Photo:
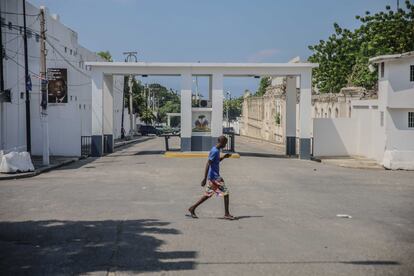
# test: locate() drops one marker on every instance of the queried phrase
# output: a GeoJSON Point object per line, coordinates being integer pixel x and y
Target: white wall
{"type": "Point", "coordinates": [399, 136]}
{"type": "Point", "coordinates": [334, 137]}
{"type": "Point", "coordinates": [67, 122]}
{"type": "Point", "coordinates": [400, 89]}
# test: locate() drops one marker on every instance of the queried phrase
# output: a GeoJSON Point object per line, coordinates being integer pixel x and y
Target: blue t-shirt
{"type": "Point", "coordinates": [214, 170]}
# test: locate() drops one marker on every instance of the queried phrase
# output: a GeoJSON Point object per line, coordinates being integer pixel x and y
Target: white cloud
{"type": "Point", "coordinates": [263, 55]}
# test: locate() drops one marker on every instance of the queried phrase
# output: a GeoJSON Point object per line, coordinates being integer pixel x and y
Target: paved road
{"type": "Point", "coordinates": [124, 214]}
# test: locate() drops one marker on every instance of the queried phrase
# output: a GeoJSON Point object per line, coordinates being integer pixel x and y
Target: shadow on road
{"type": "Point", "coordinates": [78, 247]}
{"type": "Point", "coordinates": [378, 262]}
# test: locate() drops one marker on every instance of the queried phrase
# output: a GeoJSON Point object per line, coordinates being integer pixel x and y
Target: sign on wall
{"type": "Point", "coordinates": [201, 122]}
{"type": "Point", "coordinates": [57, 85]}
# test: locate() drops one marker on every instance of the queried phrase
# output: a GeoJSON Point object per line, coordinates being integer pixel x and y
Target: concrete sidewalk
{"type": "Point", "coordinates": [55, 162]}
{"type": "Point", "coordinates": [355, 162]}
{"type": "Point", "coordinates": [59, 161]}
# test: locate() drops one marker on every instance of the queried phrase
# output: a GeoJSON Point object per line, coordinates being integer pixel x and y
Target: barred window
{"type": "Point", "coordinates": [412, 73]}
{"type": "Point", "coordinates": [411, 119]}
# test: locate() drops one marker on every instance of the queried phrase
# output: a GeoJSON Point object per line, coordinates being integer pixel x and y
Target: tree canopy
{"type": "Point", "coordinates": [264, 83]}
{"type": "Point", "coordinates": [106, 55]}
{"type": "Point", "coordinates": [343, 57]}
{"type": "Point", "coordinates": [234, 106]}
{"type": "Point", "coordinates": [167, 101]}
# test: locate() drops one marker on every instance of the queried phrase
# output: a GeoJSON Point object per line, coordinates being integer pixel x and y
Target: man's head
{"type": "Point", "coordinates": [222, 142]}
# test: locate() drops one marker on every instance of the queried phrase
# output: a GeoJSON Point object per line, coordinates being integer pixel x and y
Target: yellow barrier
{"type": "Point", "coordinates": [174, 154]}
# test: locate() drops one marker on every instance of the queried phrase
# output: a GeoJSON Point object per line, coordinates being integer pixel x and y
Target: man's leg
{"type": "Point", "coordinates": [226, 207]}
{"type": "Point", "coordinates": [192, 208]}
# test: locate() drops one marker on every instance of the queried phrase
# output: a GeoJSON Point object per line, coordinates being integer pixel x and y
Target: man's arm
{"type": "Point", "coordinates": [203, 183]}
{"type": "Point", "coordinates": [227, 155]}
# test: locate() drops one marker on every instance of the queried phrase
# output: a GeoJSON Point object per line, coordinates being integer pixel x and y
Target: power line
{"type": "Point", "coordinates": [64, 58]}
{"type": "Point", "coordinates": [14, 13]}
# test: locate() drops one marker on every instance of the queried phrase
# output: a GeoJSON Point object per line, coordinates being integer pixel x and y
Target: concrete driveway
{"type": "Point", "coordinates": [125, 214]}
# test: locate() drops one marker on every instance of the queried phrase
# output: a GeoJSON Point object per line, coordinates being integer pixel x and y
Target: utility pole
{"type": "Point", "coordinates": [398, 5]}
{"type": "Point", "coordinates": [228, 107]}
{"type": "Point", "coordinates": [3, 106]}
{"type": "Point", "coordinates": [43, 79]}
{"type": "Point", "coordinates": [122, 117]}
{"type": "Point", "coordinates": [26, 77]}
{"type": "Point", "coordinates": [131, 115]}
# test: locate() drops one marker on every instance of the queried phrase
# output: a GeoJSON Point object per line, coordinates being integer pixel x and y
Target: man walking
{"type": "Point", "coordinates": [216, 183]}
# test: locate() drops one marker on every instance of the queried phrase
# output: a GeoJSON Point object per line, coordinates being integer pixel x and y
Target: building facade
{"type": "Point", "coordinates": [381, 129]}
{"type": "Point", "coordinates": [69, 118]}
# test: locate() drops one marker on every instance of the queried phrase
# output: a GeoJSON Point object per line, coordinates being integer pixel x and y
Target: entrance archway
{"type": "Point", "coordinates": [102, 98]}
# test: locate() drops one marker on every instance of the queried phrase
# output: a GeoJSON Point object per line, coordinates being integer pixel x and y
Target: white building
{"type": "Point", "coordinates": [381, 129]}
{"type": "Point", "coordinates": [67, 121]}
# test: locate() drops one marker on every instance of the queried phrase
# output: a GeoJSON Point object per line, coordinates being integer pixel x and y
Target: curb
{"type": "Point", "coordinates": [124, 143]}
{"type": "Point", "coordinates": [39, 170]}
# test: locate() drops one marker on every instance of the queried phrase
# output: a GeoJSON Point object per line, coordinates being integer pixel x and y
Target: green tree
{"type": "Point", "coordinates": [147, 116]}
{"type": "Point", "coordinates": [106, 55]}
{"type": "Point", "coordinates": [234, 106]}
{"type": "Point", "coordinates": [343, 57]}
{"type": "Point", "coordinates": [264, 83]}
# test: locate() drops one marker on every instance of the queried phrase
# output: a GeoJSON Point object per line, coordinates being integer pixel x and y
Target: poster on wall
{"type": "Point", "coordinates": [201, 122]}
{"type": "Point", "coordinates": [57, 87]}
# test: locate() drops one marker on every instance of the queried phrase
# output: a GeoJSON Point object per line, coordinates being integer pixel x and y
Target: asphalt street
{"type": "Point", "coordinates": [125, 214]}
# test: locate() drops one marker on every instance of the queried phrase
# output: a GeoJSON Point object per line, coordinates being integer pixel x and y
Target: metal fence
{"type": "Point", "coordinates": [86, 147]}
{"type": "Point", "coordinates": [298, 146]}
{"type": "Point", "coordinates": [231, 142]}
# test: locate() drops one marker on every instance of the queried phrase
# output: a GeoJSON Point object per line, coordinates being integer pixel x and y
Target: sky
{"type": "Point", "coordinates": [208, 31]}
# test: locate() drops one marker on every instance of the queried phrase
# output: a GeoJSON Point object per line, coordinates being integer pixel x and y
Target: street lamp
{"type": "Point", "coordinates": [228, 93]}
{"type": "Point", "coordinates": [129, 57]}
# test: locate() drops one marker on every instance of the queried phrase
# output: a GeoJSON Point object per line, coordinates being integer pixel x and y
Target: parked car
{"type": "Point", "coordinates": [146, 130]}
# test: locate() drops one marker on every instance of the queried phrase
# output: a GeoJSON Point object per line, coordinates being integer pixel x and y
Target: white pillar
{"type": "Point", "coordinates": [97, 114]}
{"type": "Point", "coordinates": [290, 116]}
{"type": "Point", "coordinates": [186, 84]}
{"type": "Point", "coordinates": [217, 104]}
{"type": "Point", "coordinates": [168, 120]}
{"type": "Point", "coordinates": [108, 113]}
{"type": "Point", "coordinates": [305, 114]}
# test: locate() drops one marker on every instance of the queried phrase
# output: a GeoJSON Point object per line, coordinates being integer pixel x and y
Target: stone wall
{"type": "Point", "coordinates": [264, 117]}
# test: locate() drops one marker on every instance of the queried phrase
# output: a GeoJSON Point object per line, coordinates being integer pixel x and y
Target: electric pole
{"type": "Point", "coordinates": [131, 112]}
{"type": "Point", "coordinates": [3, 106]}
{"type": "Point", "coordinates": [131, 115]}
{"type": "Point", "coordinates": [26, 77]}
{"type": "Point", "coordinates": [43, 88]}
{"type": "Point", "coordinates": [122, 117]}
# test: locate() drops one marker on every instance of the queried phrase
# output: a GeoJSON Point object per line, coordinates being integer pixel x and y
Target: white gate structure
{"type": "Point", "coordinates": [102, 99]}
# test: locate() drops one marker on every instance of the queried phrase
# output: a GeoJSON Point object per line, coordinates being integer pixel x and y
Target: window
{"type": "Point", "coordinates": [412, 73]}
{"type": "Point", "coordinates": [382, 69]}
{"type": "Point", "coordinates": [70, 51]}
{"type": "Point", "coordinates": [66, 49]}
{"type": "Point", "coordinates": [411, 119]}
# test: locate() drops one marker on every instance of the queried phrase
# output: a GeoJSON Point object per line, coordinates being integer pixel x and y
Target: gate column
{"type": "Point", "coordinates": [290, 116]}
{"type": "Point", "coordinates": [186, 85]}
{"type": "Point", "coordinates": [108, 114]}
{"type": "Point", "coordinates": [97, 114]}
{"type": "Point", "coordinates": [305, 114]}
